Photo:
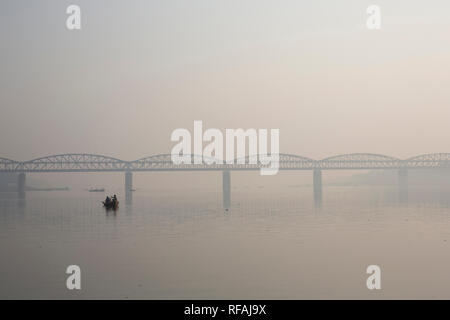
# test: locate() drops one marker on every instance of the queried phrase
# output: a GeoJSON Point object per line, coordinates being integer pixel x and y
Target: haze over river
{"type": "Point", "coordinates": [273, 243]}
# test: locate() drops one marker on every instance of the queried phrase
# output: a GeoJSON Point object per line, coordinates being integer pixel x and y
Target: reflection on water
{"type": "Point", "coordinates": [270, 244]}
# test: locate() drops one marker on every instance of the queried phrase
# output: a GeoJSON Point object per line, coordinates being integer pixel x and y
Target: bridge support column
{"type": "Point", "coordinates": [21, 184]}
{"type": "Point", "coordinates": [226, 189]}
{"type": "Point", "coordinates": [403, 185]}
{"type": "Point", "coordinates": [317, 185]}
{"type": "Point", "coordinates": [128, 187]}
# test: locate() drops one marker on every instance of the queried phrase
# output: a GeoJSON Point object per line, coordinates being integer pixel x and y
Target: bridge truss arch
{"type": "Point", "coordinates": [161, 162]}
{"type": "Point", "coordinates": [8, 164]}
{"type": "Point", "coordinates": [360, 161]}
{"type": "Point", "coordinates": [285, 162]}
{"type": "Point", "coordinates": [430, 160]}
{"type": "Point", "coordinates": [73, 162]}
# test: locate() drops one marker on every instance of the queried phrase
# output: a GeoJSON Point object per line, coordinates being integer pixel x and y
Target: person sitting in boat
{"type": "Point", "coordinates": [114, 200]}
{"type": "Point", "coordinates": [108, 200]}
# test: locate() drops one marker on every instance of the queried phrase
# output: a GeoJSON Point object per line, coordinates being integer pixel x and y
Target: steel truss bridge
{"type": "Point", "coordinates": [77, 162]}
{"type": "Point", "coordinates": [163, 162]}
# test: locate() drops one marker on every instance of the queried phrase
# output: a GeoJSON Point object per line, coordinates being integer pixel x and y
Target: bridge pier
{"type": "Point", "coordinates": [128, 187]}
{"type": "Point", "coordinates": [226, 188]}
{"type": "Point", "coordinates": [403, 184]}
{"type": "Point", "coordinates": [317, 185]}
{"type": "Point", "coordinates": [21, 184]}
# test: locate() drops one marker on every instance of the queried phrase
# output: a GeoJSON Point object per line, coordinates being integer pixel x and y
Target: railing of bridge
{"type": "Point", "coordinates": [163, 162]}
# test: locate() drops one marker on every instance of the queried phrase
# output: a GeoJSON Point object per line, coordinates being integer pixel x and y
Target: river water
{"type": "Point", "coordinates": [271, 244]}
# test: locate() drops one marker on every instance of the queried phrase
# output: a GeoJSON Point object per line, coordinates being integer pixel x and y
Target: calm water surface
{"type": "Point", "coordinates": [271, 244]}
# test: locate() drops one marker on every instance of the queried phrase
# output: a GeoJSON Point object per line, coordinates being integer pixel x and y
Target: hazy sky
{"type": "Point", "coordinates": [140, 69]}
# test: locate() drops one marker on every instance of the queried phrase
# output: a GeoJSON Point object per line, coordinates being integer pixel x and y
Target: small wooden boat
{"type": "Point", "coordinates": [111, 205]}
{"type": "Point", "coordinates": [97, 190]}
